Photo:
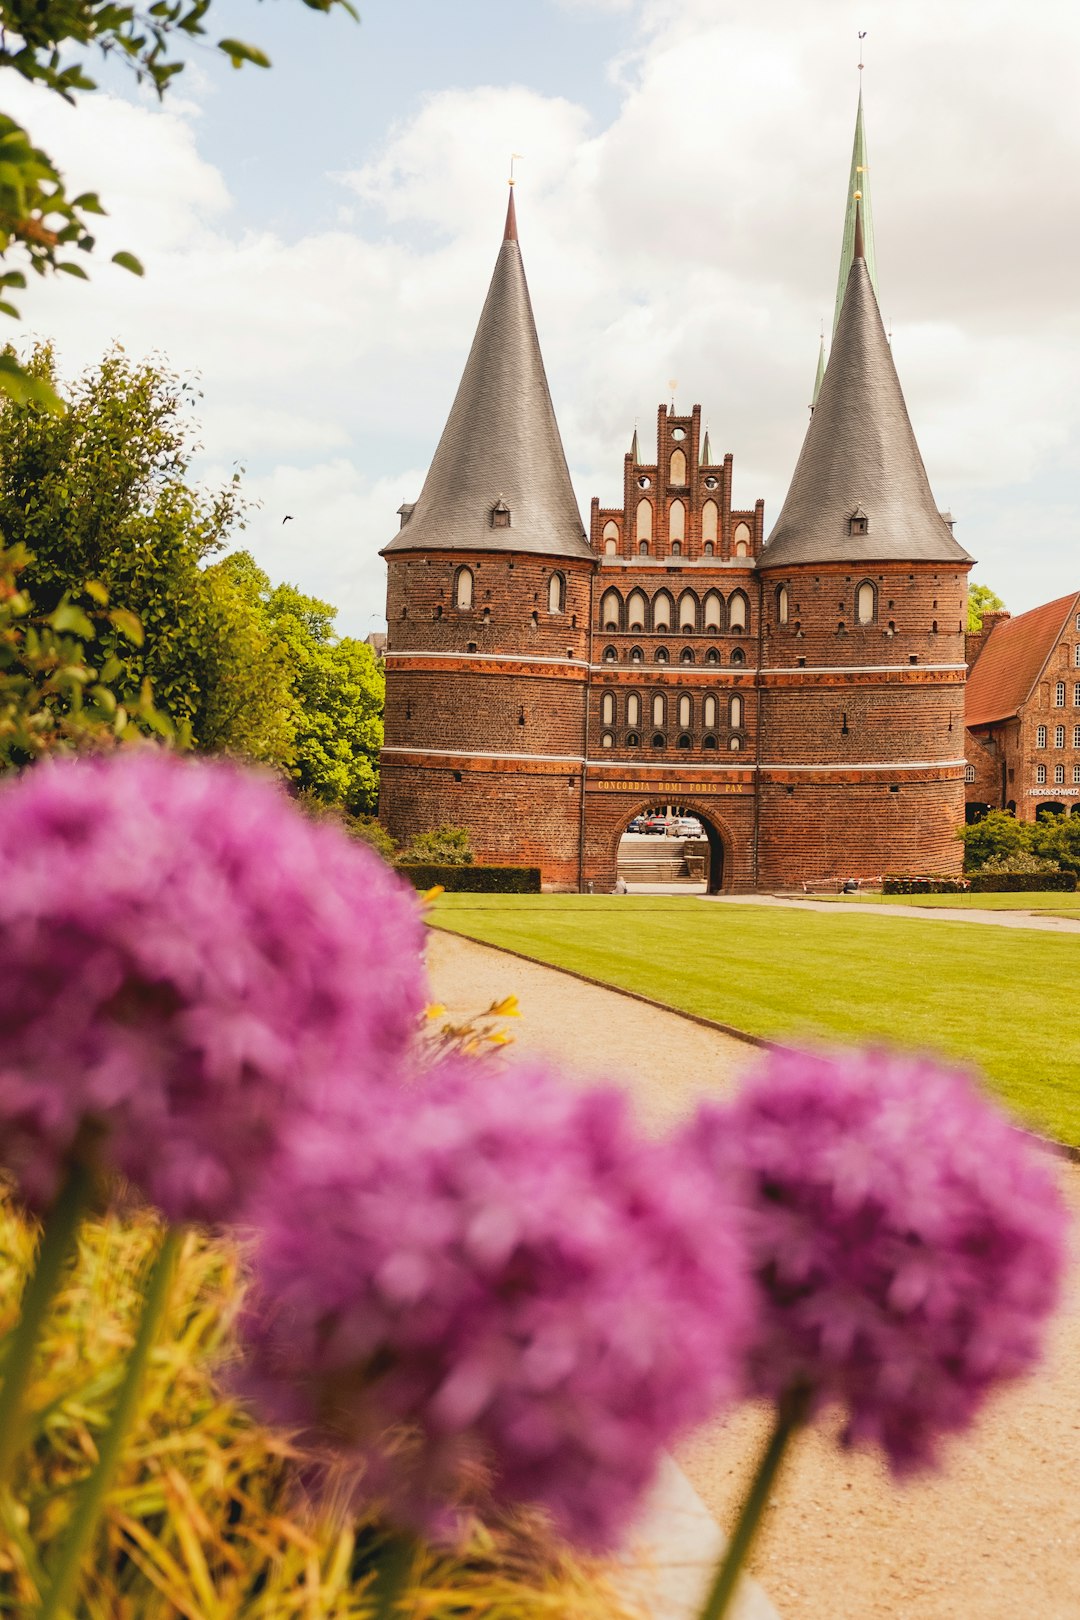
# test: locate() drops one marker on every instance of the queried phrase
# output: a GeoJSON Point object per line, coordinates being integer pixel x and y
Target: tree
{"type": "Point", "coordinates": [339, 690]}
{"type": "Point", "coordinates": [981, 599]}
{"type": "Point", "coordinates": [1057, 838]}
{"type": "Point", "coordinates": [998, 833]}
{"type": "Point", "coordinates": [101, 499]}
{"type": "Point", "coordinates": [49, 43]}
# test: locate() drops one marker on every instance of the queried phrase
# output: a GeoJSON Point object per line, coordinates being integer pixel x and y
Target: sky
{"type": "Point", "coordinates": [318, 240]}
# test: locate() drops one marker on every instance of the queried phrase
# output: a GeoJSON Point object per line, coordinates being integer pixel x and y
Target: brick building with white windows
{"type": "Point", "coordinates": [801, 692]}
{"type": "Point", "coordinates": [1023, 712]}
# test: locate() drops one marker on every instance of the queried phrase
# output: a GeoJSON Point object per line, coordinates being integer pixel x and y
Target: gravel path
{"type": "Point", "coordinates": [999, 919]}
{"type": "Point", "coordinates": [995, 1536]}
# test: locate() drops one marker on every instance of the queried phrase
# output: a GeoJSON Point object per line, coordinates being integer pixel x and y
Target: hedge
{"type": "Point", "coordinates": [925, 885]}
{"type": "Point", "coordinates": [1021, 882]}
{"type": "Point", "coordinates": [475, 879]}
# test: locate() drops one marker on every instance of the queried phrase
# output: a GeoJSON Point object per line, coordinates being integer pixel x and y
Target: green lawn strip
{"type": "Point", "coordinates": [1059, 904]}
{"type": "Point", "coordinates": [988, 996]}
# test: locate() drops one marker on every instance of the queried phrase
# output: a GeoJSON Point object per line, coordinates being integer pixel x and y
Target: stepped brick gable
{"type": "Point", "coordinates": [802, 695]}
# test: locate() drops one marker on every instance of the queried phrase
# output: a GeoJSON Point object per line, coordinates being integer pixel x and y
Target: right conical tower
{"type": "Point", "coordinates": [863, 614]}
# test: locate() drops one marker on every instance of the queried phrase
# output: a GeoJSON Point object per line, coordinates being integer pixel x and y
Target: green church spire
{"type": "Point", "coordinates": [820, 376]}
{"type": "Point", "coordinates": [858, 189]}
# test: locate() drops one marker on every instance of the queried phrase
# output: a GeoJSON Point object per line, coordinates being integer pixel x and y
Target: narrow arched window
{"type": "Point", "coordinates": [735, 712]}
{"type": "Point", "coordinates": [742, 540]}
{"type": "Point", "coordinates": [738, 656]}
{"type": "Point", "coordinates": [636, 609]}
{"type": "Point", "coordinates": [738, 612]}
{"type": "Point", "coordinates": [644, 520]}
{"type": "Point", "coordinates": [609, 610]}
{"type": "Point", "coordinates": [782, 605]}
{"type": "Point", "coordinates": [678, 468]}
{"type": "Point", "coordinates": [735, 744]}
{"type": "Point", "coordinates": [662, 655]}
{"type": "Point", "coordinates": [633, 710]}
{"type": "Point", "coordinates": [636, 655]}
{"type": "Point", "coordinates": [610, 655]}
{"type": "Point", "coordinates": [687, 612]}
{"type": "Point", "coordinates": [713, 612]}
{"type": "Point", "coordinates": [708, 742]}
{"type": "Point", "coordinates": [658, 740]}
{"type": "Point", "coordinates": [709, 714]}
{"type": "Point", "coordinates": [662, 611]}
{"type": "Point", "coordinates": [709, 548]}
{"type": "Point", "coordinates": [686, 656]}
{"type": "Point", "coordinates": [677, 518]}
{"type": "Point", "coordinates": [685, 711]}
{"type": "Point", "coordinates": [607, 709]}
{"type": "Point", "coordinates": [712, 656]}
{"type": "Point", "coordinates": [607, 740]}
{"type": "Point", "coordinates": [556, 593]}
{"type": "Point", "coordinates": [611, 536]}
{"type": "Point", "coordinates": [676, 548]}
{"type": "Point", "coordinates": [710, 514]}
{"type": "Point", "coordinates": [643, 548]}
{"type": "Point", "coordinates": [658, 709]}
{"type": "Point", "coordinates": [865, 603]}
{"type": "Point", "coordinates": [463, 588]}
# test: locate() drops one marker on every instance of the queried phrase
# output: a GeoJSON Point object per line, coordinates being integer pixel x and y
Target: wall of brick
{"type": "Point", "coordinates": [510, 611]}
{"type": "Point", "coordinates": [859, 829]}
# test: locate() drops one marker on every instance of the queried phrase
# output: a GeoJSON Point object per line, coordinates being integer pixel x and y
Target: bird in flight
{"type": "Point", "coordinates": [287, 518]}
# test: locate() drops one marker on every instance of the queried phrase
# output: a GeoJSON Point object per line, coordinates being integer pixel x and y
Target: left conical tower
{"type": "Point", "coordinates": [488, 607]}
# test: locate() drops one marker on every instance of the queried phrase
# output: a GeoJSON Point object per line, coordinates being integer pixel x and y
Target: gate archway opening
{"type": "Point", "coordinates": [673, 846]}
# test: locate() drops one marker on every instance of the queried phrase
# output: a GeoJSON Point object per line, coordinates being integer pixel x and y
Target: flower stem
{"type": "Point", "coordinates": [57, 1243]}
{"type": "Point", "coordinates": [91, 1503]}
{"type": "Point", "coordinates": [393, 1575]}
{"type": "Point", "coordinates": [789, 1417]}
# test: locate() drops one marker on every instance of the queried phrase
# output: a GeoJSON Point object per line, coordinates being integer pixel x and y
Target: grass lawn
{"type": "Point", "coordinates": [996, 997]}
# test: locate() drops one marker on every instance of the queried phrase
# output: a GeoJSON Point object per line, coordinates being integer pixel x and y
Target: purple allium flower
{"type": "Point", "coordinates": [907, 1242]}
{"type": "Point", "coordinates": [498, 1265]}
{"type": "Point", "coordinates": [187, 960]}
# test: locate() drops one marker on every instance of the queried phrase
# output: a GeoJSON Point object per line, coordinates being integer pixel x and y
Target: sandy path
{"type": "Point", "coordinates": [995, 1536]}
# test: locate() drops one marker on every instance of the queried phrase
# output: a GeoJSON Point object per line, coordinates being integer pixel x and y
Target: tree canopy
{"type": "Point", "coordinates": [981, 599]}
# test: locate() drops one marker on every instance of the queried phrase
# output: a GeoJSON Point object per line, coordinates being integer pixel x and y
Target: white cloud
{"type": "Point", "coordinates": [694, 236]}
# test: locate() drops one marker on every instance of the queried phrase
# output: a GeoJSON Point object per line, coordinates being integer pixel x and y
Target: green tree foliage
{"type": "Point", "coordinates": [981, 599]}
{"type": "Point", "coordinates": [339, 690]}
{"type": "Point", "coordinates": [443, 846]}
{"type": "Point", "coordinates": [103, 493]}
{"type": "Point", "coordinates": [51, 44]}
{"type": "Point", "coordinates": [1008, 844]}
{"type": "Point", "coordinates": [1057, 838]}
{"type": "Point", "coordinates": [52, 698]}
{"type": "Point", "coordinates": [998, 833]}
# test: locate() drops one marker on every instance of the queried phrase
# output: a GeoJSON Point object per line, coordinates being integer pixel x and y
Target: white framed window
{"type": "Point", "coordinates": [658, 709]}
{"type": "Point", "coordinates": [1076, 773]}
{"type": "Point", "coordinates": [607, 709]}
{"type": "Point", "coordinates": [1040, 736]}
{"type": "Point", "coordinates": [735, 713]}
{"type": "Point", "coordinates": [1076, 695]}
{"type": "Point", "coordinates": [607, 740]}
{"type": "Point", "coordinates": [864, 603]}
{"type": "Point", "coordinates": [709, 716]}
{"type": "Point", "coordinates": [1059, 736]}
{"type": "Point", "coordinates": [1076, 655]}
{"type": "Point", "coordinates": [1040, 773]}
{"type": "Point", "coordinates": [685, 712]}
{"type": "Point", "coordinates": [782, 605]}
{"type": "Point", "coordinates": [556, 593]}
{"type": "Point", "coordinates": [1078, 621]}
{"type": "Point", "coordinates": [969, 773]}
{"type": "Point", "coordinates": [633, 710]}
{"type": "Point", "coordinates": [1059, 695]}
{"type": "Point", "coordinates": [463, 588]}
{"type": "Point", "coordinates": [1076, 736]}
{"type": "Point", "coordinates": [1059, 774]}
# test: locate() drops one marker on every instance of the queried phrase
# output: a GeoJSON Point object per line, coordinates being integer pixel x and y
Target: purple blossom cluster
{"type": "Point", "coordinates": [499, 1267]}
{"type": "Point", "coordinates": [187, 962]}
{"type": "Point", "coordinates": [908, 1244]}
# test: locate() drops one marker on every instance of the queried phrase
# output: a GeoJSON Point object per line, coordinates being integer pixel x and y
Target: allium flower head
{"type": "Point", "coordinates": [907, 1242]}
{"type": "Point", "coordinates": [188, 961]}
{"type": "Point", "coordinates": [498, 1265]}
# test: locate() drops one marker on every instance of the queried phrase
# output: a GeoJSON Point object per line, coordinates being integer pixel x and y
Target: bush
{"type": "Point", "coordinates": [902, 884]}
{"type": "Point", "coordinates": [1022, 882]}
{"type": "Point", "coordinates": [1058, 837]}
{"type": "Point", "coordinates": [998, 833]}
{"type": "Point", "coordinates": [443, 846]}
{"type": "Point", "coordinates": [1022, 861]}
{"type": "Point", "coordinates": [473, 879]}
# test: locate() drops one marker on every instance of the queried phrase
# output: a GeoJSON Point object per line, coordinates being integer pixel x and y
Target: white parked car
{"type": "Point", "coordinates": [686, 827]}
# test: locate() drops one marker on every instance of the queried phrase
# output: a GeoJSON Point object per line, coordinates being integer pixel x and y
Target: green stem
{"type": "Point", "coordinates": [393, 1575]}
{"type": "Point", "coordinates": [91, 1503]}
{"type": "Point", "coordinates": [58, 1236]}
{"type": "Point", "coordinates": [789, 1417]}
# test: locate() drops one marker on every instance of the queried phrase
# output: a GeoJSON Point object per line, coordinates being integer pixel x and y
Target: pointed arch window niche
{"type": "Point", "coordinates": [643, 525]}
{"type": "Point", "coordinates": [865, 603]}
{"type": "Point", "coordinates": [463, 588]}
{"type": "Point", "coordinates": [556, 593]}
{"type": "Point", "coordinates": [677, 474]}
{"type": "Point", "coordinates": [677, 520]}
{"type": "Point", "coordinates": [611, 538]}
{"type": "Point", "coordinates": [741, 538]}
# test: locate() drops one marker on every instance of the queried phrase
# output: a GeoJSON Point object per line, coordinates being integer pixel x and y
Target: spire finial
{"type": "Point", "coordinates": [858, 198]}
{"type": "Point", "coordinates": [510, 231]}
{"type": "Point", "coordinates": [862, 36]}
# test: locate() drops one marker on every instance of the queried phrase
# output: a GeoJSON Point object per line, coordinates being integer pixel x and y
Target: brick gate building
{"type": "Point", "coordinates": [802, 694]}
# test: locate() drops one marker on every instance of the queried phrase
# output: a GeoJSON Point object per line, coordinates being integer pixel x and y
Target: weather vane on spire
{"type": "Point", "coordinates": [515, 157]}
{"type": "Point", "coordinates": [673, 383]}
{"type": "Point", "coordinates": [862, 36]}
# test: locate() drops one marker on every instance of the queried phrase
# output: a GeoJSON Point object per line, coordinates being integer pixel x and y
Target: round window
{"type": "Point", "coordinates": [643, 482]}
{"type": "Point", "coordinates": [678, 433]}
{"type": "Point", "coordinates": [711, 482]}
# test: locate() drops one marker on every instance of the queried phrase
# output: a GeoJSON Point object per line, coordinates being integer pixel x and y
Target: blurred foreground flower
{"type": "Point", "coordinates": [908, 1245]}
{"type": "Point", "coordinates": [186, 961]}
{"type": "Point", "coordinates": [499, 1267]}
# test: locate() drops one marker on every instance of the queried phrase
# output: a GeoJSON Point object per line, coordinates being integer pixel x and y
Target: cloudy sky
{"type": "Point", "coordinates": [318, 241]}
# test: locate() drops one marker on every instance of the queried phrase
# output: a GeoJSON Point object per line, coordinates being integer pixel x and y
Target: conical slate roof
{"type": "Point", "coordinates": [501, 443]}
{"type": "Point", "coordinates": [860, 452]}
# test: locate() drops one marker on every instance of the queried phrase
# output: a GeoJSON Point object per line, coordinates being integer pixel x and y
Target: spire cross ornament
{"type": "Point", "coordinates": [515, 157]}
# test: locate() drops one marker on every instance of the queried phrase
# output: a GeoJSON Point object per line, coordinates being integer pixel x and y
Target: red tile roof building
{"type": "Point", "coordinates": [1023, 711]}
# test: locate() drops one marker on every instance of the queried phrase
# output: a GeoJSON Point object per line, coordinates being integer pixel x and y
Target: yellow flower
{"type": "Point", "coordinates": [436, 1010]}
{"type": "Point", "coordinates": [508, 1008]}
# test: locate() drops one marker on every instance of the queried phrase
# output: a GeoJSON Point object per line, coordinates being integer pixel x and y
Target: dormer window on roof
{"type": "Point", "coordinates": [500, 515]}
{"type": "Point", "coordinates": [858, 522]}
